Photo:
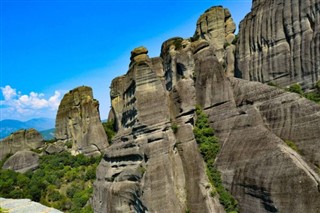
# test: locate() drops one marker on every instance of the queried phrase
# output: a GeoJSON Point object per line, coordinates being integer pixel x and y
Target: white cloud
{"type": "Point", "coordinates": [18, 106]}
{"type": "Point", "coordinates": [8, 92]}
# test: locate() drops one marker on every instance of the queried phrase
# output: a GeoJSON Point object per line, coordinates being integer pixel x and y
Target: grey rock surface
{"type": "Point", "coordinates": [279, 41]}
{"type": "Point", "coordinates": [148, 167]}
{"type": "Point", "coordinates": [25, 206]}
{"type": "Point", "coordinates": [55, 148]}
{"type": "Point", "coordinates": [20, 140]}
{"type": "Point", "coordinates": [259, 169]}
{"type": "Point", "coordinates": [217, 27]}
{"type": "Point", "coordinates": [154, 164]}
{"type": "Point", "coordinates": [78, 120]}
{"type": "Point", "coordinates": [22, 161]}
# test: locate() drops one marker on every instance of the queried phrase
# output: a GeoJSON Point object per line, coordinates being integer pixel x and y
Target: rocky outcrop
{"type": "Point", "coordinates": [217, 27]}
{"type": "Point", "coordinates": [25, 206]}
{"type": "Point", "coordinates": [279, 41]}
{"type": "Point", "coordinates": [19, 141]}
{"type": "Point", "coordinates": [22, 161]}
{"type": "Point", "coordinates": [55, 148]}
{"type": "Point", "coordinates": [148, 167]}
{"type": "Point", "coordinates": [78, 120]}
{"type": "Point", "coordinates": [154, 165]}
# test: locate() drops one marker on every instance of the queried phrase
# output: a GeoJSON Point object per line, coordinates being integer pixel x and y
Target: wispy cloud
{"type": "Point", "coordinates": [24, 106]}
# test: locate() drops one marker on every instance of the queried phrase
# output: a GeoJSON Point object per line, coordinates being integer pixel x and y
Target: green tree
{"type": "Point", "coordinates": [209, 148]}
{"type": "Point", "coordinates": [296, 88]}
{"type": "Point", "coordinates": [109, 128]}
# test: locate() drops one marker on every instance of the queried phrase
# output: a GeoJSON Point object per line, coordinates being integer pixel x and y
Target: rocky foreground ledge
{"type": "Point", "coordinates": [25, 206]}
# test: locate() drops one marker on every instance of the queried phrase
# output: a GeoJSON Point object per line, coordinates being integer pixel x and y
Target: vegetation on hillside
{"type": "Point", "coordinates": [62, 181]}
{"type": "Point", "coordinates": [296, 88]}
{"type": "Point", "coordinates": [109, 128]}
{"type": "Point", "coordinates": [313, 96]}
{"type": "Point", "coordinates": [209, 148]}
{"type": "Point", "coordinates": [2, 210]}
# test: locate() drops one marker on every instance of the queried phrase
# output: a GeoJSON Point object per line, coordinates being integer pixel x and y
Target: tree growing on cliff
{"type": "Point", "coordinates": [209, 148]}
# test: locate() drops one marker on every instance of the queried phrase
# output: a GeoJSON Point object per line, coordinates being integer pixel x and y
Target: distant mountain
{"type": "Point", "coordinates": [48, 134]}
{"type": "Point", "coordinates": [8, 126]}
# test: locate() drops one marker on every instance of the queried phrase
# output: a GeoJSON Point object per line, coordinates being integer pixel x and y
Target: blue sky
{"type": "Point", "coordinates": [50, 47]}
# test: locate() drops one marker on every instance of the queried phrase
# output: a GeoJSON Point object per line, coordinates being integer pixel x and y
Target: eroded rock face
{"type": "Point", "coordinates": [20, 140]}
{"type": "Point", "coordinates": [153, 167]}
{"type": "Point", "coordinates": [148, 167]}
{"type": "Point", "coordinates": [78, 120]}
{"type": "Point", "coordinates": [217, 27]}
{"type": "Point", "coordinates": [22, 161]}
{"type": "Point", "coordinates": [279, 41]}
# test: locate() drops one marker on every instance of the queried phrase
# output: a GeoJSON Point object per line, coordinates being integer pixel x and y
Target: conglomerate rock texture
{"type": "Point", "coordinates": [19, 141]}
{"type": "Point", "coordinates": [279, 41]}
{"type": "Point", "coordinates": [78, 120]}
{"type": "Point", "coordinates": [154, 165]}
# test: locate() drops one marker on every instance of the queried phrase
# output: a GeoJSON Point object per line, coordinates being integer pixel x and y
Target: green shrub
{"type": "Point", "coordinates": [174, 128]}
{"type": "Point", "coordinates": [68, 144]}
{"type": "Point", "coordinates": [62, 181]}
{"type": "Point", "coordinates": [292, 145]}
{"type": "Point", "coordinates": [3, 210]}
{"type": "Point", "coordinates": [109, 128]}
{"type": "Point", "coordinates": [313, 96]}
{"type": "Point", "coordinates": [235, 40]}
{"type": "Point", "coordinates": [87, 209]}
{"type": "Point", "coordinates": [54, 196]}
{"type": "Point", "coordinates": [225, 45]}
{"type": "Point", "coordinates": [91, 173]}
{"type": "Point", "coordinates": [271, 83]}
{"type": "Point", "coordinates": [296, 88]}
{"type": "Point", "coordinates": [178, 43]}
{"type": "Point", "coordinates": [209, 148]}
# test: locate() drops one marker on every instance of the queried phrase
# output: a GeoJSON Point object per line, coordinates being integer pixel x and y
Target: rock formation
{"type": "Point", "coordinates": [148, 167]}
{"type": "Point", "coordinates": [22, 161]}
{"type": "Point", "coordinates": [25, 206]}
{"type": "Point", "coordinates": [78, 120]}
{"type": "Point", "coordinates": [217, 27]}
{"type": "Point", "coordinates": [154, 165]}
{"type": "Point", "coordinates": [20, 140]}
{"type": "Point", "coordinates": [279, 41]}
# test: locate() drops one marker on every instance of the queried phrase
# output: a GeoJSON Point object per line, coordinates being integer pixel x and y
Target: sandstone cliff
{"type": "Point", "coordinates": [19, 141]}
{"type": "Point", "coordinates": [279, 41]}
{"type": "Point", "coordinates": [78, 120]}
{"type": "Point", "coordinates": [154, 165]}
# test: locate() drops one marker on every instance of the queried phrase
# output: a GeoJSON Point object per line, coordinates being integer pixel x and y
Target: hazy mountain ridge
{"type": "Point", "coordinates": [48, 134]}
{"type": "Point", "coordinates": [9, 126]}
